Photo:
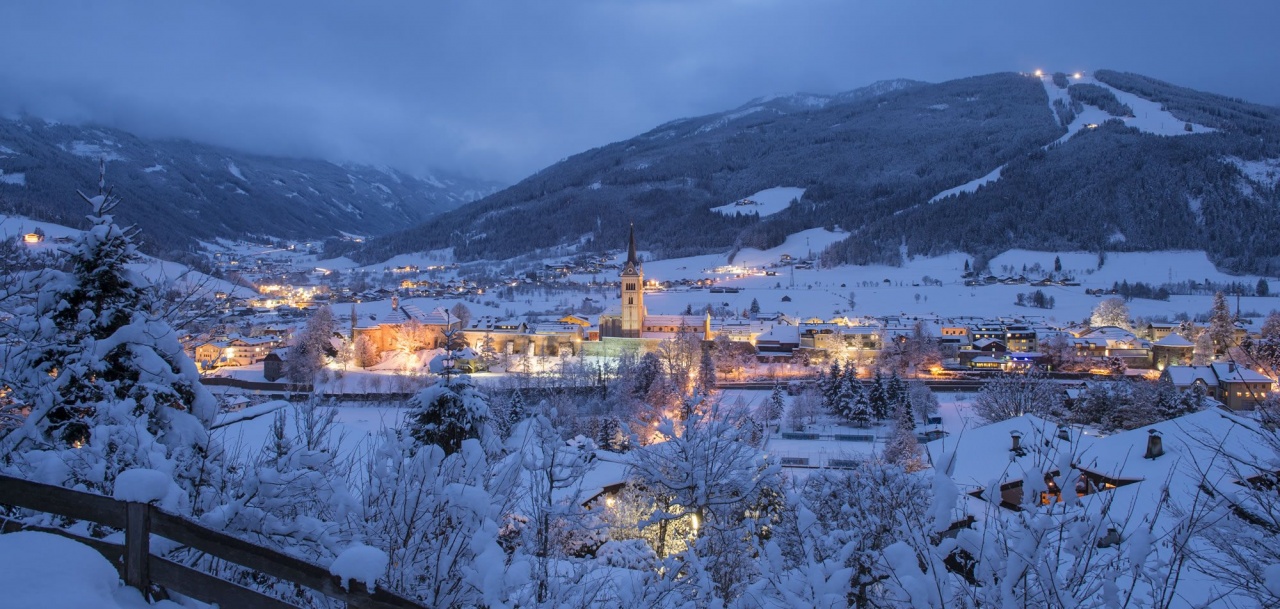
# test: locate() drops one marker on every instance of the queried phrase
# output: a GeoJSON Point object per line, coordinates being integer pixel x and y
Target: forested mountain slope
{"type": "Point", "coordinates": [178, 191]}
{"type": "Point", "coordinates": [872, 159]}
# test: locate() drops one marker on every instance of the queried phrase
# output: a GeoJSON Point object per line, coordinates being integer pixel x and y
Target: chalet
{"type": "Point", "coordinates": [1236, 386]}
{"type": "Point", "coordinates": [33, 238]}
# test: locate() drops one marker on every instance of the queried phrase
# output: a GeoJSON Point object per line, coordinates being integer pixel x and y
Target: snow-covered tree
{"type": "Point", "coordinates": [902, 448]}
{"type": "Point", "coordinates": [922, 400]}
{"type": "Point", "coordinates": [1110, 312]}
{"type": "Point", "coordinates": [774, 405]}
{"type": "Point", "coordinates": [1222, 325]}
{"type": "Point", "coordinates": [106, 382]}
{"type": "Point", "coordinates": [804, 410]}
{"type": "Point", "coordinates": [311, 347]}
{"type": "Point", "coordinates": [1203, 352]}
{"type": "Point", "coordinates": [829, 545]}
{"type": "Point", "coordinates": [295, 496]}
{"type": "Point", "coordinates": [546, 502]}
{"type": "Point", "coordinates": [708, 472]}
{"type": "Point", "coordinates": [364, 352]}
{"type": "Point", "coordinates": [450, 412]}
{"type": "Point", "coordinates": [1009, 396]}
{"type": "Point", "coordinates": [439, 517]}
{"type": "Point", "coordinates": [706, 372]}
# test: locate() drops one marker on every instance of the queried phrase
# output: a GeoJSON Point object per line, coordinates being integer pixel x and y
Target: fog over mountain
{"type": "Point", "coordinates": [504, 88]}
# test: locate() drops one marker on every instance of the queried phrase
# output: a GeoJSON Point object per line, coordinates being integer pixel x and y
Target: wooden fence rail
{"type": "Point", "coordinates": [140, 569]}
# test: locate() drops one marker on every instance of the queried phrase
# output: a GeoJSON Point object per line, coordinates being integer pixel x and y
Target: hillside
{"type": "Point", "coordinates": [178, 192]}
{"type": "Point", "coordinates": [1008, 160]}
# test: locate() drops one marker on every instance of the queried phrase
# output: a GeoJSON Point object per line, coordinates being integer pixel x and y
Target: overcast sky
{"type": "Point", "coordinates": [501, 89]}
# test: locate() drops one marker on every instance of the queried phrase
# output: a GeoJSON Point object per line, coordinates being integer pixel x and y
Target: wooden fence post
{"type": "Point", "coordinates": [137, 547]}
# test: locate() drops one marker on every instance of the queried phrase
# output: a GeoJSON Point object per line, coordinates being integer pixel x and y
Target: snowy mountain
{"type": "Point", "coordinates": [1101, 161]}
{"type": "Point", "coordinates": [180, 191]}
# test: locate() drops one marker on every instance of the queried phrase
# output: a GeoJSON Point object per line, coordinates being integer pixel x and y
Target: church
{"type": "Point", "coordinates": [631, 320]}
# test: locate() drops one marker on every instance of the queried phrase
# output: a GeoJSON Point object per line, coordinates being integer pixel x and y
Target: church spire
{"type": "Point", "coordinates": [631, 248]}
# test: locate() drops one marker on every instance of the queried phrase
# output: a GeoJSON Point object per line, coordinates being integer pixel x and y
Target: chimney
{"type": "Point", "coordinates": [1017, 440]}
{"type": "Point", "coordinates": [395, 303]}
{"type": "Point", "coordinates": [1231, 367]}
{"type": "Point", "coordinates": [1155, 446]}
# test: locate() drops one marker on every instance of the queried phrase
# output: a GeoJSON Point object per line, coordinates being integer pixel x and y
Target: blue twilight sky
{"type": "Point", "coordinates": [503, 88]}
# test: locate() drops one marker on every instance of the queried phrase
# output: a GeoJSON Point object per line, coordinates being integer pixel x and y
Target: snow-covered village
{"type": "Point", "coordinates": [532, 328]}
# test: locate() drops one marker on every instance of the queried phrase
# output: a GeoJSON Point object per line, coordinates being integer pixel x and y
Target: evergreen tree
{"type": "Point", "coordinates": [1263, 288]}
{"type": "Point", "coordinates": [774, 405]}
{"type": "Point", "coordinates": [755, 307]}
{"type": "Point", "coordinates": [1222, 327]}
{"type": "Point", "coordinates": [830, 387]}
{"type": "Point", "coordinates": [311, 346]}
{"type": "Point", "coordinates": [903, 448]}
{"type": "Point", "coordinates": [106, 382]}
{"type": "Point", "coordinates": [895, 396]}
{"type": "Point", "coordinates": [877, 396]}
{"type": "Point", "coordinates": [854, 403]}
{"type": "Point", "coordinates": [448, 413]}
{"type": "Point", "coordinates": [516, 409]}
{"type": "Point", "coordinates": [1057, 264]}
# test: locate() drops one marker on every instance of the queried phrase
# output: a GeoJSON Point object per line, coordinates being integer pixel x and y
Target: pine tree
{"type": "Point", "coordinates": [855, 405]}
{"type": "Point", "coordinates": [516, 409]}
{"type": "Point", "coordinates": [830, 387]}
{"type": "Point", "coordinates": [895, 396]}
{"type": "Point", "coordinates": [105, 379]}
{"type": "Point", "coordinates": [1057, 264]}
{"type": "Point", "coordinates": [877, 397]}
{"type": "Point", "coordinates": [903, 448]}
{"type": "Point", "coordinates": [1221, 325]}
{"type": "Point", "coordinates": [448, 413]}
{"type": "Point", "coordinates": [755, 307]}
{"type": "Point", "coordinates": [774, 405]}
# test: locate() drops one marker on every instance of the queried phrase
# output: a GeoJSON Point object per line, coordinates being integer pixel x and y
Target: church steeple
{"type": "Point", "coordinates": [631, 248]}
{"type": "Point", "coordinates": [632, 292]}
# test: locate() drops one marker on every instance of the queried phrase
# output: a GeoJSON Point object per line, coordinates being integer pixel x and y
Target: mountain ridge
{"type": "Point", "coordinates": [179, 191]}
{"type": "Point", "coordinates": [871, 160]}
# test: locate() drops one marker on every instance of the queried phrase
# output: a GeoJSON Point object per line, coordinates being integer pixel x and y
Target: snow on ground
{"type": "Point", "coordinates": [95, 151]}
{"type": "Point", "coordinates": [182, 277]}
{"type": "Point", "coordinates": [886, 290]}
{"type": "Point", "coordinates": [357, 429]}
{"type": "Point", "coordinates": [13, 179]}
{"type": "Point", "coordinates": [766, 202]}
{"type": "Point", "coordinates": [252, 412]}
{"type": "Point", "coordinates": [1265, 172]}
{"type": "Point", "coordinates": [335, 264]}
{"type": "Point", "coordinates": [235, 171]}
{"type": "Point", "coordinates": [970, 186]}
{"type": "Point", "coordinates": [154, 168]}
{"type": "Point", "coordinates": [153, 269]}
{"type": "Point", "coordinates": [16, 226]}
{"type": "Point", "coordinates": [53, 572]}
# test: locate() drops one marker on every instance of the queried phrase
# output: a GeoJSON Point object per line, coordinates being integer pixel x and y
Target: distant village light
{"type": "Point", "coordinates": [1039, 73]}
{"type": "Point", "coordinates": [1077, 75]}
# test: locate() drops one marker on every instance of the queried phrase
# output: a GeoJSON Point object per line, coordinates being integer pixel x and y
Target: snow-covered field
{"type": "Point", "coordinates": [765, 203]}
{"type": "Point", "coordinates": [153, 269]}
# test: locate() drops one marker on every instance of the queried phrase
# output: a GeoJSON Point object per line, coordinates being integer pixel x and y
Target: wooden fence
{"type": "Point", "coordinates": [140, 569]}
